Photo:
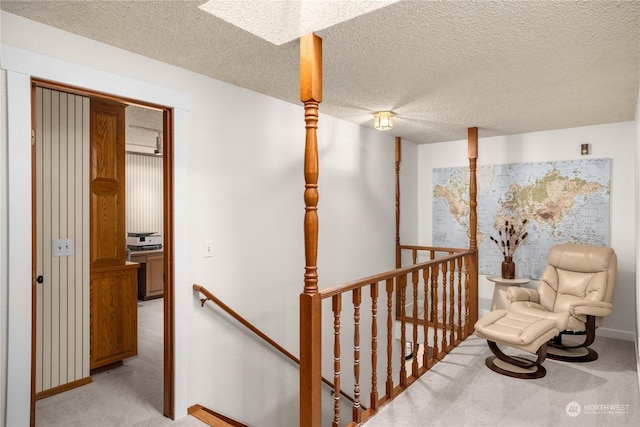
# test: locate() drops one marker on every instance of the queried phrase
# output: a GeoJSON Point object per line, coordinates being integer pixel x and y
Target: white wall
{"type": "Point", "coordinates": [3, 244]}
{"type": "Point", "coordinates": [409, 218]}
{"type": "Point", "coordinates": [239, 182]}
{"type": "Point", "coordinates": [615, 141]}
{"type": "Point", "coordinates": [637, 215]}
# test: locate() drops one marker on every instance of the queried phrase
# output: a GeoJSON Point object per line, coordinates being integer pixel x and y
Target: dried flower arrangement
{"type": "Point", "coordinates": [511, 238]}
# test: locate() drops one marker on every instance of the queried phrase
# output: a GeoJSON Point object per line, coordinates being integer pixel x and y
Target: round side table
{"type": "Point", "coordinates": [500, 300]}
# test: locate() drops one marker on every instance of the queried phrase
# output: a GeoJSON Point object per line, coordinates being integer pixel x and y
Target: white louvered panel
{"type": "Point", "coordinates": [46, 235]}
{"type": "Point", "coordinates": [63, 262]}
{"type": "Point", "coordinates": [39, 238]}
{"type": "Point", "coordinates": [62, 211]}
{"type": "Point", "coordinates": [54, 283]}
{"type": "Point", "coordinates": [83, 291]}
{"type": "Point", "coordinates": [67, 215]}
{"type": "Point", "coordinates": [144, 193]}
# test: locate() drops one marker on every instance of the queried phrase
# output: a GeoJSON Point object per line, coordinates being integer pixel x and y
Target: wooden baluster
{"type": "Point", "coordinates": [425, 318]}
{"type": "Point", "coordinates": [452, 303]}
{"type": "Point", "coordinates": [414, 256]}
{"type": "Point", "coordinates": [467, 322]}
{"type": "Point", "coordinates": [444, 307]}
{"type": "Point", "coordinates": [310, 301]}
{"type": "Point", "coordinates": [434, 307]}
{"type": "Point", "coordinates": [402, 284]}
{"type": "Point", "coordinates": [357, 299]}
{"type": "Point", "coordinates": [459, 329]}
{"type": "Point", "coordinates": [414, 316]}
{"type": "Point", "coordinates": [374, 346]}
{"type": "Point", "coordinates": [336, 301]}
{"type": "Point", "coordinates": [389, 383]}
{"type": "Point", "coordinates": [432, 256]}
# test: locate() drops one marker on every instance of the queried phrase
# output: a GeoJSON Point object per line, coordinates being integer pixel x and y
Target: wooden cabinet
{"type": "Point", "coordinates": [151, 274]}
{"type": "Point", "coordinates": [114, 314]}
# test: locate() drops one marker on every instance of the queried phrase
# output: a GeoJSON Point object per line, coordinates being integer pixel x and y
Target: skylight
{"type": "Point", "coordinates": [280, 21]}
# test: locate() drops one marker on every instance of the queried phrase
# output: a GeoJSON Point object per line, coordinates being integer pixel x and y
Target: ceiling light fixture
{"type": "Point", "coordinates": [383, 120]}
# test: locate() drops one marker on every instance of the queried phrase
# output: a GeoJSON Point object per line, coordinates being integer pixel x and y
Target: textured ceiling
{"type": "Point", "coordinates": [441, 67]}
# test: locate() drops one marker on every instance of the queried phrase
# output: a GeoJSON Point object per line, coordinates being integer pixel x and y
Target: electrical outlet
{"type": "Point", "coordinates": [208, 248]}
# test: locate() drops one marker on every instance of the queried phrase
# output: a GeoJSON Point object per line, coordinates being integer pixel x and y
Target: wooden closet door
{"type": "Point", "coordinates": [113, 280]}
{"type": "Point", "coordinates": [108, 238]}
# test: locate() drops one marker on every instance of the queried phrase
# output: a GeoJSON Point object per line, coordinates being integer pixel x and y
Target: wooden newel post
{"type": "Point", "coordinates": [310, 301]}
{"type": "Point", "coordinates": [398, 147]}
{"type": "Point", "coordinates": [473, 225]}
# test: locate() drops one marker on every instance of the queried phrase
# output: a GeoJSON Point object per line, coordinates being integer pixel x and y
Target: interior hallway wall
{"type": "Point", "coordinates": [637, 218]}
{"type": "Point", "coordinates": [240, 184]}
{"type": "Point", "coordinates": [614, 141]}
{"type": "Point", "coordinates": [409, 218]}
{"type": "Point", "coordinates": [4, 279]}
{"type": "Point", "coordinates": [21, 65]}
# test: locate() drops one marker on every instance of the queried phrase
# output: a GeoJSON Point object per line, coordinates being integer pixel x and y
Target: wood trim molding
{"type": "Point", "coordinates": [169, 272]}
{"type": "Point", "coordinates": [224, 420]}
{"type": "Point", "coordinates": [62, 388]}
{"type": "Point", "coordinates": [93, 94]}
{"type": "Point", "coordinates": [34, 285]}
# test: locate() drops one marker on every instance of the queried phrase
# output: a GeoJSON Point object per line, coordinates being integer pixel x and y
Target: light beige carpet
{"type": "Point", "coordinates": [130, 395]}
{"type": "Point", "coordinates": [461, 391]}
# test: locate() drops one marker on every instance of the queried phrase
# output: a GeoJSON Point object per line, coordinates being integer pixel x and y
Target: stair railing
{"type": "Point", "coordinates": [208, 296]}
{"type": "Point", "coordinates": [444, 319]}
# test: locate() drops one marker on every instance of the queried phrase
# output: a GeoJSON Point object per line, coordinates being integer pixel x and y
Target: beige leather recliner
{"type": "Point", "coordinates": [575, 291]}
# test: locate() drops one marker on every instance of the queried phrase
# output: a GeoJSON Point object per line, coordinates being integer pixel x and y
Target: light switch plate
{"type": "Point", "coordinates": [208, 248]}
{"type": "Point", "coordinates": [62, 247]}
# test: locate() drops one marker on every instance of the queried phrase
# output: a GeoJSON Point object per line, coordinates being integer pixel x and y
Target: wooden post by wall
{"type": "Point", "coordinates": [310, 301]}
{"type": "Point", "coordinates": [473, 225]}
{"type": "Point", "coordinates": [398, 160]}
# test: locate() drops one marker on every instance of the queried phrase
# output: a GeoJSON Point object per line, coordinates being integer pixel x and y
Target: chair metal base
{"type": "Point", "coordinates": [505, 368]}
{"type": "Point", "coordinates": [577, 355]}
{"type": "Point", "coordinates": [514, 366]}
{"type": "Point", "coordinates": [574, 352]}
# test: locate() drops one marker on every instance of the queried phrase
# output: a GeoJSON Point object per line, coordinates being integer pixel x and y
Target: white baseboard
{"type": "Point", "coordinates": [615, 333]}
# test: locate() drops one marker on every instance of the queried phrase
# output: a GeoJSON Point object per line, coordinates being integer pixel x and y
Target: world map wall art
{"type": "Point", "coordinates": [561, 201]}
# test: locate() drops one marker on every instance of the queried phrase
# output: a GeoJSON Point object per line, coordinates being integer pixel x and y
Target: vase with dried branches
{"type": "Point", "coordinates": [510, 238]}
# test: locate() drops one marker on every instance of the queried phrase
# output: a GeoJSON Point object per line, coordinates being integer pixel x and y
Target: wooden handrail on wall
{"type": "Point", "coordinates": [208, 296]}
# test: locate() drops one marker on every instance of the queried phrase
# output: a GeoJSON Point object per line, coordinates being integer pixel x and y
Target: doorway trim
{"type": "Point", "coordinates": [21, 66]}
{"type": "Point", "coordinates": [167, 183]}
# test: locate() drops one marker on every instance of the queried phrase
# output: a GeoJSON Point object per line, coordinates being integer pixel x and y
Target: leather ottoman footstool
{"type": "Point", "coordinates": [517, 330]}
